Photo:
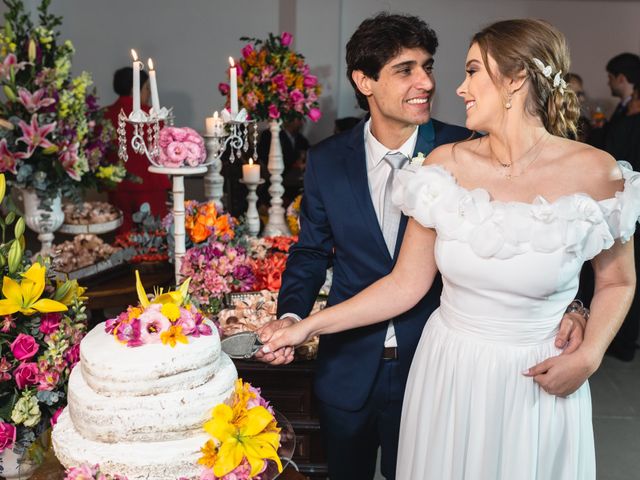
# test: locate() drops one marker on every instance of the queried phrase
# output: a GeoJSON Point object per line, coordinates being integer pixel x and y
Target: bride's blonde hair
{"type": "Point", "coordinates": [513, 44]}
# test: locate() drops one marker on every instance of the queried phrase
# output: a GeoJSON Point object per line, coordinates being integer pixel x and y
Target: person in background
{"type": "Point", "coordinates": [294, 154]}
{"type": "Point", "coordinates": [152, 188]}
{"type": "Point", "coordinates": [584, 123]}
{"type": "Point", "coordinates": [623, 72]}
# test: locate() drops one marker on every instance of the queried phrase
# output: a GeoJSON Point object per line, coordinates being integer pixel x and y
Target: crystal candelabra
{"type": "Point", "coordinates": [145, 140]}
{"type": "Point", "coordinates": [237, 140]}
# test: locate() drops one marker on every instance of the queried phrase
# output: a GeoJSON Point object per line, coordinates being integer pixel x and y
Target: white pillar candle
{"type": "Point", "coordinates": [214, 125]}
{"type": "Point", "coordinates": [233, 84]}
{"type": "Point", "coordinates": [137, 66]}
{"type": "Point", "coordinates": [251, 172]}
{"type": "Point", "coordinates": [155, 100]}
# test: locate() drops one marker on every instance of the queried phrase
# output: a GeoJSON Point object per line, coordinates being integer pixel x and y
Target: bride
{"type": "Point", "coordinates": [508, 219]}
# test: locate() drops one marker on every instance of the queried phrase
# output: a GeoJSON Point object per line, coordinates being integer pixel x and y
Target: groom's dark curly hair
{"type": "Point", "coordinates": [380, 38]}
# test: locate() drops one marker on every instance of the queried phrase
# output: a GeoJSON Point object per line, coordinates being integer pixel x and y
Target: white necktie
{"type": "Point", "coordinates": [391, 213]}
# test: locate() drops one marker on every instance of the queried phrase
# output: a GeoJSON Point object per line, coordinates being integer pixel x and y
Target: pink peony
{"type": "Point", "coordinates": [26, 374]}
{"type": "Point", "coordinates": [314, 114]}
{"type": "Point", "coordinates": [176, 154]}
{"type": "Point", "coordinates": [54, 419]}
{"type": "Point", "coordinates": [7, 436]}
{"type": "Point", "coordinates": [50, 322]}
{"type": "Point", "coordinates": [247, 50]}
{"type": "Point", "coordinates": [286, 39]}
{"type": "Point", "coordinates": [273, 112]}
{"type": "Point", "coordinates": [195, 154]}
{"type": "Point", "coordinates": [24, 347]}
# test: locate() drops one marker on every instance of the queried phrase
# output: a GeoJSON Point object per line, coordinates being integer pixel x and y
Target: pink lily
{"type": "Point", "coordinates": [9, 61]}
{"type": "Point", "coordinates": [34, 101]}
{"type": "Point", "coordinates": [8, 159]}
{"type": "Point", "coordinates": [69, 158]}
{"type": "Point", "coordinates": [34, 136]}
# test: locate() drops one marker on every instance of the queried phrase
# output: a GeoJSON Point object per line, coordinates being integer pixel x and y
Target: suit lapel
{"type": "Point", "coordinates": [356, 166]}
{"type": "Point", "coordinates": [424, 144]}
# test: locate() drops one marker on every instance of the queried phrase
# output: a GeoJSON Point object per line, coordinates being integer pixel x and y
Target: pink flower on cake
{"type": "Point", "coordinates": [54, 419]}
{"type": "Point", "coordinates": [7, 436]}
{"type": "Point", "coordinates": [129, 333]}
{"type": "Point", "coordinates": [50, 322]}
{"type": "Point", "coordinates": [24, 347]}
{"type": "Point", "coordinates": [152, 324]}
{"type": "Point", "coordinates": [26, 374]}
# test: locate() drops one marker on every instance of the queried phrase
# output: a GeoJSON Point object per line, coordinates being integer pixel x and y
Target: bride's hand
{"type": "Point", "coordinates": [290, 336]}
{"type": "Point", "coordinates": [564, 374]}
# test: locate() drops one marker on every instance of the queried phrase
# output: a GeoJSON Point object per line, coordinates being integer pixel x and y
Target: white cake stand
{"type": "Point", "coordinates": [178, 174]}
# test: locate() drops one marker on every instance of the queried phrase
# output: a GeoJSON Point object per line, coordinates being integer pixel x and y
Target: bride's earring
{"type": "Point", "coordinates": [508, 104]}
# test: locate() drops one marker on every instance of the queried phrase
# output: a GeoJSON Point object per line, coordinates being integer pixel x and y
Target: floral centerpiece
{"type": "Point", "coordinates": [274, 82]}
{"type": "Point", "coordinates": [245, 436]}
{"type": "Point", "coordinates": [148, 237]}
{"type": "Point", "coordinates": [268, 260]}
{"type": "Point", "coordinates": [53, 138]}
{"type": "Point", "coordinates": [41, 325]}
{"type": "Point", "coordinates": [167, 318]}
{"type": "Point", "coordinates": [181, 147]}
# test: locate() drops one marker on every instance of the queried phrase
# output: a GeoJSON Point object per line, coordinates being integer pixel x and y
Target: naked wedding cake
{"type": "Point", "coordinates": [146, 383]}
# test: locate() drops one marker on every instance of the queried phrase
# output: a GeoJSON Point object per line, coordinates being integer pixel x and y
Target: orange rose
{"type": "Point", "coordinates": [199, 233]}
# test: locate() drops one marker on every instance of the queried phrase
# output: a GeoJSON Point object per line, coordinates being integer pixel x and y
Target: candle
{"type": "Point", "coordinates": [214, 125]}
{"type": "Point", "coordinates": [251, 172]}
{"type": "Point", "coordinates": [155, 100]}
{"type": "Point", "coordinates": [136, 81]}
{"type": "Point", "coordinates": [233, 83]}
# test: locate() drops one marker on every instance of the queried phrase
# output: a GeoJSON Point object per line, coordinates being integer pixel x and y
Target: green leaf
{"type": "Point", "coordinates": [11, 216]}
{"type": "Point", "coordinates": [18, 230]}
{"type": "Point", "coordinates": [7, 402]}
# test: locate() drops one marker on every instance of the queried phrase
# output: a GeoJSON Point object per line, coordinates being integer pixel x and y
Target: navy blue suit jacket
{"type": "Point", "coordinates": [339, 227]}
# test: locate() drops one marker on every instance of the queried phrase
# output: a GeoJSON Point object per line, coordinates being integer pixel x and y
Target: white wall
{"type": "Point", "coordinates": [190, 41]}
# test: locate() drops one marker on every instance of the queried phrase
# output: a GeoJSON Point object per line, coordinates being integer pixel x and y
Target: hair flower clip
{"type": "Point", "coordinates": [546, 70]}
{"type": "Point", "coordinates": [559, 83]}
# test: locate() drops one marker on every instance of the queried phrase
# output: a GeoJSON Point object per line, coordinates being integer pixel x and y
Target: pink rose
{"type": "Point", "coordinates": [247, 50]}
{"type": "Point", "coordinates": [273, 112]}
{"type": "Point", "coordinates": [314, 114]}
{"type": "Point", "coordinates": [223, 88]}
{"type": "Point", "coordinates": [26, 374]}
{"type": "Point", "coordinates": [279, 81]}
{"type": "Point", "coordinates": [239, 70]}
{"type": "Point", "coordinates": [286, 39]}
{"type": "Point", "coordinates": [50, 322]}
{"type": "Point", "coordinates": [24, 347]}
{"type": "Point", "coordinates": [54, 419]}
{"type": "Point", "coordinates": [176, 153]}
{"type": "Point", "coordinates": [192, 136]}
{"type": "Point", "coordinates": [195, 154]}
{"type": "Point", "coordinates": [73, 355]}
{"type": "Point", "coordinates": [7, 436]}
{"type": "Point", "coordinates": [310, 81]}
{"type": "Point", "coordinates": [297, 97]}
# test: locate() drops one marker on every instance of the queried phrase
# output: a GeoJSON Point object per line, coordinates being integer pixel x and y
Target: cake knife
{"type": "Point", "coordinates": [241, 345]}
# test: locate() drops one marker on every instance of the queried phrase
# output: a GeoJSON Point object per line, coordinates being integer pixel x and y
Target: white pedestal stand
{"type": "Point", "coordinates": [277, 224]}
{"type": "Point", "coordinates": [213, 180]}
{"type": "Point", "coordinates": [253, 219]}
{"type": "Point", "coordinates": [178, 174]}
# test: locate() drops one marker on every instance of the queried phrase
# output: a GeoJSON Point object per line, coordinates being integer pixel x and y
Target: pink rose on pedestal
{"type": "Point", "coordinates": [7, 436]}
{"type": "Point", "coordinates": [24, 347]}
{"type": "Point", "coordinates": [26, 374]}
{"type": "Point", "coordinates": [179, 146]}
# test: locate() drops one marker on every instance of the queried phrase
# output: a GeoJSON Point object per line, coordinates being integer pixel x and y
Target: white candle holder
{"type": "Point", "coordinates": [144, 125]}
{"type": "Point", "coordinates": [238, 141]}
{"type": "Point", "coordinates": [252, 217]}
{"type": "Point", "coordinates": [277, 224]}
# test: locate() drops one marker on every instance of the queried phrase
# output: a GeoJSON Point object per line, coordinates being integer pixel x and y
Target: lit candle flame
{"type": "Point", "coordinates": [231, 62]}
{"type": "Point", "coordinates": [150, 62]}
{"type": "Point", "coordinates": [251, 161]}
{"type": "Point", "coordinates": [134, 55]}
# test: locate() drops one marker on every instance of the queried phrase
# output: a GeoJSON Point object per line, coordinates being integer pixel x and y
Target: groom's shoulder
{"type": "Point", "coordinates": [336, 144]}
{"type": "Point", "coordinates": [448, 133]}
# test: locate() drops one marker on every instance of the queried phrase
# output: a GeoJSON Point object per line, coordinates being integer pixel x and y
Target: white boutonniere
{"type": "Point", "coordinates": [418, 160]}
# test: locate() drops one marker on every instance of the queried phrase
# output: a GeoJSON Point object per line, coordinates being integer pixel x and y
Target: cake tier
{"type": "Point", "coordinates": [113, 369]}
{"type": "Point", "coordinates": [164, 416]}
{"type": "Point", "coordinates": [137, 460]}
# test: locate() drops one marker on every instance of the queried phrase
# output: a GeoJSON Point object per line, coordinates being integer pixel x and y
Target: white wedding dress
{"type": "Point", "coordinates": [509, 270]}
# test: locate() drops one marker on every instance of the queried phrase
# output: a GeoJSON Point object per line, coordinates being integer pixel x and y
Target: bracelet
{"type": "Point", "coordinates": [579, 308]}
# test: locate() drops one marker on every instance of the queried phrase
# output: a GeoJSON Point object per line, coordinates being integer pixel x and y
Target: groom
{"type": "Point", "coordinates": [349, 222]}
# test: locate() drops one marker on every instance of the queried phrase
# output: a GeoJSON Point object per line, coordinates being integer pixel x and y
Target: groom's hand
{"type": "Point", "coordinates": [571, 332]}
{"type": "Point", "coordinates": [281, 356]}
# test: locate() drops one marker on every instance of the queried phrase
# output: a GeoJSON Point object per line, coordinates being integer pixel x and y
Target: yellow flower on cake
{"type": "Point", "coordinates": [244, 435]}
{"type": "Point", "coordinates": [173, 336]}
{"type": "Point", "coordinates": [24, 297]}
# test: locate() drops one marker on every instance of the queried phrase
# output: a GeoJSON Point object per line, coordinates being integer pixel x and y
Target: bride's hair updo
{"type": "Point", "coordinates": [514, 44]}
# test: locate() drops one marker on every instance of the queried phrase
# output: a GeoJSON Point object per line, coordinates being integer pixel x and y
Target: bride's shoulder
{"type": "Point", "coordinates": [595, 169]}
{"type": "Point", "coordinates": [451, 155]}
